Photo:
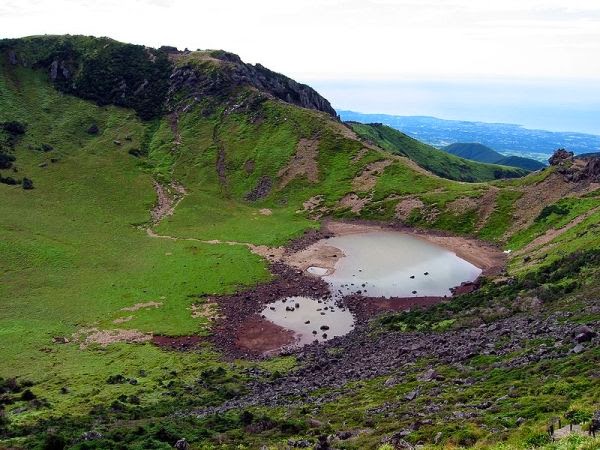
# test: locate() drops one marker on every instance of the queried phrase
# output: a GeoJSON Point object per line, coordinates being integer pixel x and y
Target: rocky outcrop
{"type": "Point", "coordinates": [574, 169]}
{"type": "Point", "coordinates": [225, 71]}
{"type": "Point", "coordinates": [560, 156]}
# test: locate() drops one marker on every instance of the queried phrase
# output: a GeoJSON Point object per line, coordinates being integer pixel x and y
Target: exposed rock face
{"type": "Point", "coordinates": [233, 72]}
{"type": "Point", "coordinates": [560, 156]}
{"type": "Point", "coordinates": [574, 169]}
{"type": "Point", "coordinates": [592, 169]}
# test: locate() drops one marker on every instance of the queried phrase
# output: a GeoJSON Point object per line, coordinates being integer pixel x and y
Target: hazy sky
{"type": "Point", "coordinates": [378, 41]}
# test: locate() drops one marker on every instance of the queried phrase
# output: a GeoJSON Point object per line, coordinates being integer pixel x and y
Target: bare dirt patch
{"type": "Point", "coordinates": [265, 212]}
{"type": "Point", "coordinates": [167, 199]}
{"type": "Point", "coordinates": [360, 155]}
{"type": "Point", "coordinates": [354, 202]}
{"type": "Point", "coordinates": [209, 310]}
{"type": "Point", "coordinates": [261, 336]}
{"type": "Point", "coordinates": [139, 306]}
{"type": "Point", "coordinates": [462, 205]}
{"type": "Point", "coordinates": [406, 206]}
{"type": "Point", "coordinates": [90, 336]}
{"type": "Point", "coordinates": [317, 255]}
{"type": "Point", "coordinates": [176, 342]}
{"type": "Point", "coordinates": [271, 254]}
{"type": "Point", "coordinates": [123, 319]}
{"type": "Point", "coordinates": [368, 177]}
{"type": "Point", "coordinates": [553, 233]}
{"type": "Point", "coordinates": [314, 207]}
{"type": "Point", "coordinates": [304, 163]}
{"type": "Point", "coordinates": [487, 205]}
{"type": "Point", "coordinates": [548, 191]}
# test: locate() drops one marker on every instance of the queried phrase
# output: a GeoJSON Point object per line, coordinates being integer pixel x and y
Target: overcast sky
{"type": "Point", "coordinates": [347, 40]}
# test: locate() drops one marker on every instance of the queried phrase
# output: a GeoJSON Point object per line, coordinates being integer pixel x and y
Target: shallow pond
{"type": "Point", "coordinates": [310, 319]}
{"type": "Point", "coordinates": [394, 264]}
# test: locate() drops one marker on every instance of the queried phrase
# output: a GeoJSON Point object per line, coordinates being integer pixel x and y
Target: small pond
{"type": "Point", "coordinates": [394, 264]}
{"type": "Point", "coordinates": [310, 319]}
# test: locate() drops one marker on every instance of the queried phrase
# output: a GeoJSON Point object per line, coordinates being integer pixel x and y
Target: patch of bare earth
{"type": "Point", "coordinates": [90, 336]}
{"type": "Point", "coordinates": [271, 254]}
{"type": "Point", "coordinates": [209, 311]}
{"type": "Point", "coordinates": [167, 199]}
{"type": "Point", "coordinates": [314, 207]}
{"type": "Point", "coordinates": [487, 257]}
{"type": "Point", "coordinates": [553, 233]}
{"type": "Point", "coordinates": [139, 306]}
{"type": "Point", "coordinates": [123, 319]}
{"type": "Point", "coordinates": [368, 177]}
{"type": "Point", "coordinates": [536, 197]}
{"type": "Point", "coordinates": [360, 155]}
{"type": "Point", "coordinates": [265, 212]}
{"type": "Point", "coordinates": [462, 205]}
{"type": "Point", "coordinates": [304, 163]}
{"type": "Point", "coordinates": [406, 206]}
{"type": "Point", "coordinates": [318, 254]}
{"type": "Point", "coordinates": [354, 202]}
{"type": "Point", "coordinates": [487, 205]}
{"type": "Point", "coordinates": [261, 336]}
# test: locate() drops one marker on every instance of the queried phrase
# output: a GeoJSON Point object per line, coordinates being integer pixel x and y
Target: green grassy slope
{"type": "Point", "coordinates": [474, 151]}
{"type": "Point", "coordinates": [72, 255]}
{"type": "Point", "coordinates": [430, 158]}
{"type": "Point", "coordinates": [482, 153]}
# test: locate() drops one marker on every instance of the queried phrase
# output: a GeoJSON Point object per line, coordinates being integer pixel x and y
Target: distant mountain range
{"type": "Point", "coordinates": [504, 138]}
{"type": "Point", "coordinates": [482, 153]}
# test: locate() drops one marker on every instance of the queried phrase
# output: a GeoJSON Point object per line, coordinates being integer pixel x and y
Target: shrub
{"type": "Point", "coordinates": [27, 184]}
{"type": "Point", "coordinates": [560, 210]}
{"type": "Point", "coordinates": [8, 180]}
{"type": "Point", "coordinates": [27, 395]}
{"type": "Point", "coordinates": [537, 440]}
{"type": "Point", "coordinates": [6, 161]}
{"type": "Point", "coordinates": [13, 127]}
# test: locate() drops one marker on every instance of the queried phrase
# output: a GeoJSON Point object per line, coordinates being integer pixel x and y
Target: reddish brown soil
{"type": "Point", "coordinates": [365, 308]}
{"type": "Point", "coordinates": [258, 335]}
{"type": "Point", "coordinates": [238, 333]}
{"type": "Point", "coordinates": [176, 342]}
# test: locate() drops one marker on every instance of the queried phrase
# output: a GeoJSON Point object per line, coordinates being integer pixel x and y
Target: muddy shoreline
{"type": "Point", "coordinates": [241, 332]}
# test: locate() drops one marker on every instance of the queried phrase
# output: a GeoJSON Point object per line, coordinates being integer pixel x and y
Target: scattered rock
{"type": "Point", "coordinates": [412, 395]}
{"type": "Point", "coordinates": [182, 444]}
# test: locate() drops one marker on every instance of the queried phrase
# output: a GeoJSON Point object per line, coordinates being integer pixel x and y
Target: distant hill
{"type": "Point", "coordinates": [437, 161]}
{"type": "Point", "coordinates": [474, 151]}
{"type": "Point", "coordinates": [503, 137]}
{"type": "Point", "coordinates": [482, 153]}
{"type": "Point", "coordinates": [521, 162]}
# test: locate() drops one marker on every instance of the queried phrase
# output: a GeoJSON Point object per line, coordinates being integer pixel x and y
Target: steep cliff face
{"type": "Point", "coordinates": [219, 72]}
{"type": "Point", "coordinates": [146, 79]}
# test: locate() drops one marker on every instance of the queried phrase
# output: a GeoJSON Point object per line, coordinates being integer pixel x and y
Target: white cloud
{"type": "Point", "coordinates": [346, 38]}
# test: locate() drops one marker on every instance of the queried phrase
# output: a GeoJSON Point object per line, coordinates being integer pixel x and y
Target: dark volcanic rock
{"type": "Point", "coordinates": [233, 72]}
{"type": "Point", "coordinates": [560, 156]}
{"type": "Point", "coordinates": [583, 333]}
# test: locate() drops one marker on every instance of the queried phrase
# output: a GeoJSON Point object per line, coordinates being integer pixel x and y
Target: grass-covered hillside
{"type": "Point", "coordinates": [430, 158]}
{"type": "Point", "coordinates": [92, 277]}
{"type": "Point", "coordinates": [482, 153]}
